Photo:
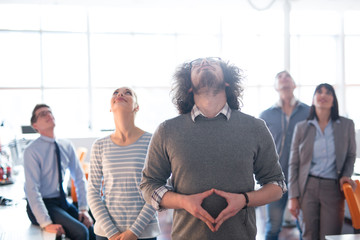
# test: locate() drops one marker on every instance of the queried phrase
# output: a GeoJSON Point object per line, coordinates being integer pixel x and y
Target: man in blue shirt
{"type": "Point", "coordinates": [47, 205]}
{"type": "Point", "coordinates": [281, 119]}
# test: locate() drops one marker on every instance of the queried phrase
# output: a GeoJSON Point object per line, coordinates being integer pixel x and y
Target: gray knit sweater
{"type": "Point", "coordinates": [211, 153]}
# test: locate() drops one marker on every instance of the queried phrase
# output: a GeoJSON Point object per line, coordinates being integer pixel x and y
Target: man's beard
{"type": "Point", "coordinates": [209, 82]}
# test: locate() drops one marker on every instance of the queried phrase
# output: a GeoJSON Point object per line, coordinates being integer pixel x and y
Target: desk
{"type": "Point", "coordinates": [14, 222]}
{"type": "Point", "coordinates": [343, 237]}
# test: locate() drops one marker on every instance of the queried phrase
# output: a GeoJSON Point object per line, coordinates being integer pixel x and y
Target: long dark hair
{"type": "Point", "coordinates": [184, 100]}
{"type": "Point", "coordinates": [334, 115]}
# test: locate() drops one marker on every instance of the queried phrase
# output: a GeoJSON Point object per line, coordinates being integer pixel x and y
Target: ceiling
{"type": "Point", "coordinates": [295, 4]}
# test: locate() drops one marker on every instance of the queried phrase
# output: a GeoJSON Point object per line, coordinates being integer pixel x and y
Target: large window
{"type": "Point", "coordinates": [73, 57]}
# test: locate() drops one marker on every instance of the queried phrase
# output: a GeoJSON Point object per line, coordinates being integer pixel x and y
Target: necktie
{"type": "Point", "coordinates": [63, 203]}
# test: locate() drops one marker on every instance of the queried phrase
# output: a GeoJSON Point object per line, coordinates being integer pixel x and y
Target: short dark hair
{"type": "Point", "coordinates": [334, 115]}
{"type": "Point", "coordinates": [33, 116]}
{"type": "Point", "coordinates": [184, 100]}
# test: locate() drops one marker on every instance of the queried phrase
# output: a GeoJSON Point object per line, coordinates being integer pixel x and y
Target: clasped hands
{"type": "Point", "coordinates": [192, 204]}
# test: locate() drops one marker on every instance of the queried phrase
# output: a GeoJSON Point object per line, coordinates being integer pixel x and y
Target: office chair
{"type": "Point", "coordinates": [81, 152]}
{"type": "Point", "coordinates": [353, 201]}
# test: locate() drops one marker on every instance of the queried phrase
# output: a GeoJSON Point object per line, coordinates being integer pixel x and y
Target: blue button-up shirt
{"type": "Point", "coordinates": [323, 163]}
{"type": "Point", "coordinates": [42, 178]}
{"type": "Point", "coordinates": [282, 129]}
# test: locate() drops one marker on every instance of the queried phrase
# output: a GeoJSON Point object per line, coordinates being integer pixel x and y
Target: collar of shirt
{"type": "Point", "coordinates": [226, 111]}
{"type": "Point", "coordinates": [47, 139]}
{"type": "Point", "coordinates": [315, 122]}
{"type": "Point", "coordinates": [293, 102]}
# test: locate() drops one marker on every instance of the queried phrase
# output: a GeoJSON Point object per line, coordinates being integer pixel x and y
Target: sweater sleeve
{"type": "Point", "coordinates": [146, 214]}
{"type": "Point", "coordinates": [266, 162]}
{"type": "Point", "coordinates": [157, 167]}
{"type": "Point", "coordinates": [97, 206]}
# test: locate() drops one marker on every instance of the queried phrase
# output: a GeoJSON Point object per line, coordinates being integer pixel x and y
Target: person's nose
{"type": "Point", "coordinates": [204, 62]}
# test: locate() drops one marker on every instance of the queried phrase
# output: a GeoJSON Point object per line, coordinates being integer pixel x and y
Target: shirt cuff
{"type": "Point", "coordinates": [83, 208]}
{"type": "Point", "coordinates": [281, 184]}
{"type": "Point", "coordinates": [43, 225]}
{"type": "Point", "coordinates": [157, 197]}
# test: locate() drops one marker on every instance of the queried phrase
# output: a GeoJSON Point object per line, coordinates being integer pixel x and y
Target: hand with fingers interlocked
{"type": "Point", "coordinates": [235, 202]}
{"type": "Point", "coordinates": [192, 204]}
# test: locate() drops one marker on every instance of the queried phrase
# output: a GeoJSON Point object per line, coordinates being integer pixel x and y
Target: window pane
{"type": "Point", "coordinates": [352, 59]}
{"type": "Point", "coordinates": [313, 59]}
{"type": "Point", "coordinates": [352, 98]}
{"type": "Point", "coordinates": [257, 99]}
{"type": "Point", "coordinates": [71, 111]}
{"type": "Point", "coordinates": [112, 59]}
{"type": "Point", "coordinates": [190, 47]}
{"type": "Point", "coordinates": [305, 93]}
{"type": "Point", "coordinates": [52, 18]}
{"type": "Point", "coordinates": [154, 20]}
{"type": "Point", "coordinates": [102, 118]}
{"type": "Point", "coordinates": [315, 22]}
{"type": "Point", "coordinates": [114, 63]}
{"type": "Point", "coordinates": [155, 63]}
{"type": "Point", "coordinates": [65, 60]}
{"type": "Point", "coordinates": [155, 107]}
{"type": "Point", "coordinates": [20, 59]}
{"type": "Point", "coordinates": [261, 57]}
{"type": "Point", "coordinates": [252, 22]}
{"type": "Point", "coordinates": [116, 20]}
{"type": "Point", "coordinates": [20, 17]}
{"type": "Point", "coordinates": [16, 107]}
{"type": "Point", "coordinates": [351, 22]}
{"type": "Point", "coordinates": [193, 22]}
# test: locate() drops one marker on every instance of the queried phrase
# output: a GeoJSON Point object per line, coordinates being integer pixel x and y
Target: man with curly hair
{"type": "Point", "coordinates": [212, 152]}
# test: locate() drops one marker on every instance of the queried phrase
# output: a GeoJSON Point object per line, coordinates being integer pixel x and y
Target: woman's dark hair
{"type": "Point", "coordinates": [184, 100]}
{"type": "Point", "coordinates": [334, 115]}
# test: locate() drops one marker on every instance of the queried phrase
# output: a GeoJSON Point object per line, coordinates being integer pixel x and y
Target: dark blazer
{"type": "Point", "coordinates": [302, 151]}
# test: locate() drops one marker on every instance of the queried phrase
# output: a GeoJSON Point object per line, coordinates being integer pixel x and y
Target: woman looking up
{"type": "Point", "coordinates": [116, 162]}
{"type": "Point", "coordinates": [322, 159]}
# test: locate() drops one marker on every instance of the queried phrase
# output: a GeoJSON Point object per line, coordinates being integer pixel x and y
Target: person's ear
{"type": "Point", "coordinates": [190, 90]}
{"type": "Point", "coordinates": [34, 126]}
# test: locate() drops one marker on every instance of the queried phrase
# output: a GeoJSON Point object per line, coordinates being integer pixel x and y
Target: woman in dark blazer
{"type": "Point", "coordinates": [322, 158]}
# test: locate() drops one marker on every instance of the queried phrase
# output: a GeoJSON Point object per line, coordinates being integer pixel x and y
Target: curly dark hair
{"type": "Point", "coordinates": [184, 100]}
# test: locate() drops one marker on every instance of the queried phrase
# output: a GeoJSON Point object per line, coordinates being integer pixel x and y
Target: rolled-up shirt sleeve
{"type": "Point", "coordinates": [158, 195]}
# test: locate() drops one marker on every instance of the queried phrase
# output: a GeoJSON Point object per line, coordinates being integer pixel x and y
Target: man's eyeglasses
{"type": "Point", "coordinates": [43, 113]}
{"type": "Point", "coordinates": [210, 60]}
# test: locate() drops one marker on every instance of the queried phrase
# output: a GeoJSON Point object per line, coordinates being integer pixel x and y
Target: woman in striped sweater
{"type": "Point", "coordinates": [115, 173]}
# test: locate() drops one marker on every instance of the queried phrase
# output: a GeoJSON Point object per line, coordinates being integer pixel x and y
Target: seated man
{"type": "Point", "coordinates": [47, 205]}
